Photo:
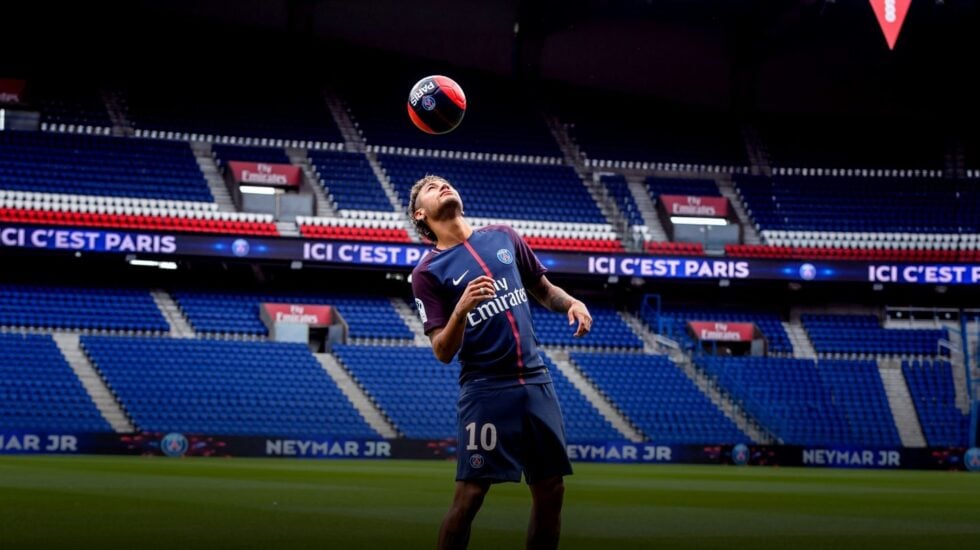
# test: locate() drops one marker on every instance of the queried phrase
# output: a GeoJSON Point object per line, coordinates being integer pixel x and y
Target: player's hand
{"type": "Point", "coordinates": [478, 290]}
{"type": "Point", "coordinates": [578, 312]}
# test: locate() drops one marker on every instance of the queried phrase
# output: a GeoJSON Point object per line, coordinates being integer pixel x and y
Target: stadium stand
{"type": "Point", "coordinates": [696, 187]}
{"type": "Point", "coordinates": [349, 181]}
{"type": "Point", "coordinates": [857, 204]}
{"type": "Point", "coordinates": [71, 107]}
{"type": "Point", "coordinates": [609, 331]}
{"type": "Point", "coordinates": [416, 391]}
{"type": "Point", "coordinates": [238, 313]}
{"type": "Point", "coordinates": [787, 396]}
{"type": "Point", "coordinates": [673, 323]}
{"type": "Point", "coordinates": [658, 398]}
{"type": "Point", "coordinates": [224, 387]}
{"type": "Point", "coordinates": [77, 308]}
{"type": "Point", "coordinates": [619, 190]}
{"type": "Point", "coordinates": [223, 153]}
{"type": "Point", "coordinates": [864, 334]}
{"type": "Point", "coordinates": [934, 395]}
{"type": "Point", "coordinates": [39, 391]}
{"type": "Point", "coordinates": [829, 141]}
{"type": "Point", "coordinates": [47, 162]}
{"type": "Point", "coordinates": [290, 114]}
{"type": "Point", "coordinates": [582, 421]}
{"type": "Point", "coordinates": [502, 190]}
{"type": "Point", "coordinates": [675, 138]}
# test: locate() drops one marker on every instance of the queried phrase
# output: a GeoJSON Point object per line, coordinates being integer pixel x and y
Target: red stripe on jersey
{"type": "Point", "coordinates": [509, 313]}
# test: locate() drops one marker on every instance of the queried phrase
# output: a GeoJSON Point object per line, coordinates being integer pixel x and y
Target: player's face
{"type": "Point", "coordinates": [437, 199]}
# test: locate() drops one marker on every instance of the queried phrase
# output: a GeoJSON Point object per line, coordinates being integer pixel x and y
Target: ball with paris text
{"type": "Point", "coordinates": [436, 104]}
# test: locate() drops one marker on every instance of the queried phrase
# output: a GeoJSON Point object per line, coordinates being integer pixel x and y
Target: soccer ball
{"type": "Point", "coordinates": [436, 104]}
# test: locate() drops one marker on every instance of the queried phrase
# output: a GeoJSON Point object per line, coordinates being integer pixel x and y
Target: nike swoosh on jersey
{"type": "Point", "coordinates": [460, 278]}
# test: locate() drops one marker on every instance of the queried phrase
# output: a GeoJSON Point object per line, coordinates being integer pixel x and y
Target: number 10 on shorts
{"type": "Point", "coordinates": [488, 437]}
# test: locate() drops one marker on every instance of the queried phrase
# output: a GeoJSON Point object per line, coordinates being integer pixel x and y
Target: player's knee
{"type": "Point", "coordinates": [469, 496]}
{"type": "Point", "coordinates": [550, 491]}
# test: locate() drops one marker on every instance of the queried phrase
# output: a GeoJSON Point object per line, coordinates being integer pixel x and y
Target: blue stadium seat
{"type": "Point", "coordinates": [415, 390]}
{"type": "Point", "coordinates": [79, 308]}
{"type": "Point", "coordinates": [608, 329]}
{"type": "Point", "coordinates": [498, 190]}
{"type": "Point", "coordinates": [40, 392]}
{"type": "Point", "coordinates": [934, 395]}
{"type": "Point", "coordinates": [864, 334]}
{"type": "Point", "coordinates": [224, 387]}
{"type": "Point", "coordinates": [46, 162]}
{"type": "Point", "coordinates": [349, 180]}
{"type": "Point", "coordinates": [238, 313]}
{"type": "Point", "coordinates": [658, 398]}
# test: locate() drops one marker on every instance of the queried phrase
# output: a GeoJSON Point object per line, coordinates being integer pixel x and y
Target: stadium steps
{"type": "Point", "coordinates": [287, 229]}
{"type": "Point", "coordinates": [750, 235]}
{"type": "Point", "coordinates": [900, 402]}
{"type": "Point", "coordinates": [654, 344]}
{"type": "Point", "coordinates": [356, 395]}
{"type": "Point", "coordinates": [179, 327]}
{"type": "Point", "coordinates": [389, 189]}
{"type": "Point", "coordinates": [728, 407]}
{"type": "Point", "coordinates": [216, 182]}
{"type": "Point", "coordinates": [648, 210]}
{"type": "Point", "coordinates": [69, 345]}
{"type": "Point", "coordinates": [798, 338]}
{"type": "Point", "coordinates": [569, 149]}
{"type": "Point", "coordinates": [411, 318]}
{"type": "Point", "coordinates": [325, 208]}
{"type": "Point", "coordinates": [353, 138]}
{"type": "Point", "coordinates": [756, 150]}
{"type": "Point", "coordinates": [609, 208]}
{"type": "Point", "coordinates": [561, 360]}
{"type": "Point", "coordinates": [115, 106]}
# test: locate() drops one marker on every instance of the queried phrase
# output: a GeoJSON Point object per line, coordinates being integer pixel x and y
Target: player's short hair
{"type": "Point", "coordinates": [421, 227]}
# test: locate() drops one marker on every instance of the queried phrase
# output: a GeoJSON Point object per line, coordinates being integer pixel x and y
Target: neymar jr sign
{"type": "Point", "coordinates": [405, 256]}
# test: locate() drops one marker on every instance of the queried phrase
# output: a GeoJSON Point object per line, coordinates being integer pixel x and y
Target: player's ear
{"type": "Point", "coordinates": [419, 215]}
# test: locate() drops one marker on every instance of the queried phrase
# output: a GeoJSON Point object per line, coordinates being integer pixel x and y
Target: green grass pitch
{"type": "Point", "coordinates": [155, 502]}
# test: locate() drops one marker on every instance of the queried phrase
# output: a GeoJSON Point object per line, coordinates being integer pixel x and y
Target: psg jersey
{"type": "Point", "coordinates": [499, 347]}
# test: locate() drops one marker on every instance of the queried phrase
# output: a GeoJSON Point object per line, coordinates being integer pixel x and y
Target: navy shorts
{"type": "Point", "coordinates": [506, 432]}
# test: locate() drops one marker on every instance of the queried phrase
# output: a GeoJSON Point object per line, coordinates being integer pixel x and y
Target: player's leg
{"type": "Point", "coordinates": [455, 529]}
{"type": "Point", "coordinates": [488, 452]}
{"type": "Point", "coordinates": [544, 529]}
{"type": "Point", "coordinates": [545, 465]}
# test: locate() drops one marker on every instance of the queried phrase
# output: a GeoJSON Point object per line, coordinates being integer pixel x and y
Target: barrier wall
{"type": "Point", "coordinates": [177, 445]}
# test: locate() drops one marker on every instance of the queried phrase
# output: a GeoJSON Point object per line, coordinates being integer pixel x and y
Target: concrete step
{"type": "Point", "coordinates": [355, 394]}
{"type": "Point", "coordinates": [93, 383]}
{"type": "Point", "coordinates": [900, 403]}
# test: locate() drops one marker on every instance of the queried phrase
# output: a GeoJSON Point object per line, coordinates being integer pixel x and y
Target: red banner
{"type": "Point", "coordinates": [891, 15]}
{"type": "Point", "coordinates": [722, 331]}
{"type": "Point", "coordinates": [703, 207]}
{"type": "Point", "coordinates": [12, 91]}
{"type": "Point", "coordinates": [261, 173]}
{"type": "Point", "coordinates": [299, 313]}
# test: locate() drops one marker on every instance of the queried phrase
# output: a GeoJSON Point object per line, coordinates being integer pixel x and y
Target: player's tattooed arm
{"type": "Point", "coordinates": [556, 299]}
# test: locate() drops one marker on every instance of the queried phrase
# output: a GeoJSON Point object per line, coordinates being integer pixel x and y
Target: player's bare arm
{"type": "Point", "coordinates": [556, 299]}
{"type": "Point", "coordinates": [446, 340]}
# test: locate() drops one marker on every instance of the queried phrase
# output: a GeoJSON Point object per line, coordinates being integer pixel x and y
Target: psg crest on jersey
{"type": "Point", "coordinates": [476, 461]}
{"type": "Point", "coordinates": [505, 256]}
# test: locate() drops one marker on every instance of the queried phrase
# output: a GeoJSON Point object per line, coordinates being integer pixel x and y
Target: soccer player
{"type": "Point", "coordinates": [472, 295]}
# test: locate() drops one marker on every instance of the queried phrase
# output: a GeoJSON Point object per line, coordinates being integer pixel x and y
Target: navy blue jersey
{"type": "Point", "coordinates": [499, 346]}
